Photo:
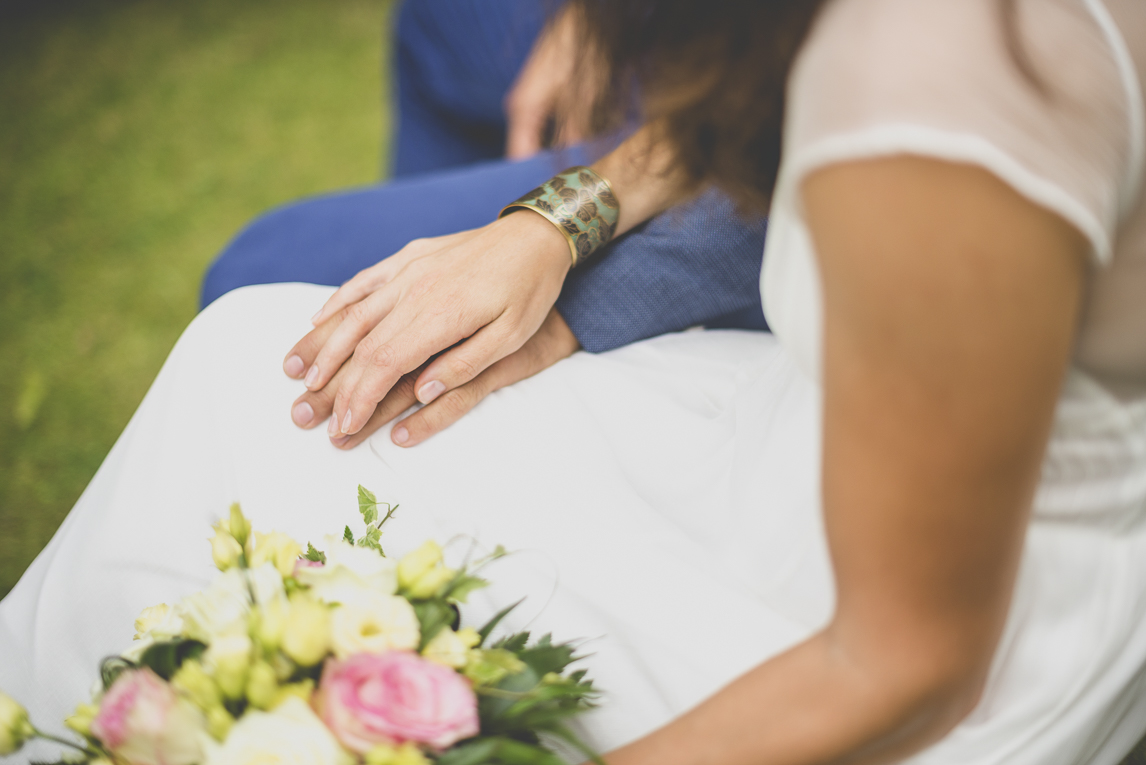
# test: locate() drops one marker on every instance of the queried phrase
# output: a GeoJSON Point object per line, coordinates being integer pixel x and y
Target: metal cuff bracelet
{"type": "Point", "coordinates": [580, 203]}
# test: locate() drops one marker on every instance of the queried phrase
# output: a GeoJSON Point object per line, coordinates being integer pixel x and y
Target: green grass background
{"type": "Point", "coordinates": [135, 139]}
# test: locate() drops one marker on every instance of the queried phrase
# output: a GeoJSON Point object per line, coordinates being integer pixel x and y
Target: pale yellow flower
{"type": "Point", "coordinates": [306, 637]}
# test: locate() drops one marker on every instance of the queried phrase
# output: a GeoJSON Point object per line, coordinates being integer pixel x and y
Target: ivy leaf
{"type": "Point", "coordinates": [348, 535]}
{"type": "Point", "coordinates": [367, 504]}
{"type": "Point", "coordinates": [313, 555]}
{"type": "Point", "coordinates": [370, 540]}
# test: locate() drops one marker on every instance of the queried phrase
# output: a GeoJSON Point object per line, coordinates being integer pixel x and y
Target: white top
{"type": "Point", "coordinates": [934, 78]}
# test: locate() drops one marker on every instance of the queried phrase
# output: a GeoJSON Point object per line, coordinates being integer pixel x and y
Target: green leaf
{"type": "Point", "coordinates": [478, 752]}
{"type": "Point", "coordinates": [348, 535]}
{"type": "Point", "coordinates": [488, 626]}
{"type": "Point", "coordinates": [545, 657]}
{"type": "Point", "coordinates": [513, 643]}
{"type": "Point", "coordinates": [367, 504]}
{"type": "Point", "coordinates": [166, 657]}
{"type": "Point", "coordinates": [432, 616]}
{"type": "Point", "coordinates": [462, 585]}
{"type": "Point", "coordinates": [317, 556]}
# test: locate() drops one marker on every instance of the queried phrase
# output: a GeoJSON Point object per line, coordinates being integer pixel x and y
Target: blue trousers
{"type": "Point", "coordinates": [456, 60]}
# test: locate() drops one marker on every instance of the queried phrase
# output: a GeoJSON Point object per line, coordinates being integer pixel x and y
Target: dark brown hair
{"type": "Point", "coordinates": [711, 76]}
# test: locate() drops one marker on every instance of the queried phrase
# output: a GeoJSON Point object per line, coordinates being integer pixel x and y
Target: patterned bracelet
{"type": "Point", "coordinates": [580, 203]}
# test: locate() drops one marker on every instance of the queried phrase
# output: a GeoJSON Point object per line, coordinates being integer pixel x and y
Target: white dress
{"type": "Point", "coordinates": [664, 497]}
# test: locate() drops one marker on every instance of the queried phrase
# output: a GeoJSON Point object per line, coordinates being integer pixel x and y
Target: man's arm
{"type": "Point", "coordinates": [695, 264]}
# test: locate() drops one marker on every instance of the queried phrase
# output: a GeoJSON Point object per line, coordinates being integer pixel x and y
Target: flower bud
{"type": "Point", "coordinates": [451, 648]}
{"type": "Point", "coordinates": [431, 583]}
{"type": "Point", "coordinates": [193, 682]}
{"type": "Point", "coordinates": [81, 719]}
{"type": "Point", "coordinates": [262, 685]}
{"type": "Point", "coordinates": [306, 638]}
{"type": "Point", "coordinates": [304, 689]}
{"type": "Point", "coordinates": [225, 549]}
{"type": "Point", "coordinates": [278, 549]}
{"type": "Point", "coordinates": [268, 624]}
{"type": "Point", "coordinates": [15, 728]}
{"type": "Point", "coordinates": [240, 527]}
{"type": "Point", "coordinates": [230, 656]}
{"type": "Point", "coordinates": [219, 722]}
{"type": "Point", "coordinates": [417, 563]}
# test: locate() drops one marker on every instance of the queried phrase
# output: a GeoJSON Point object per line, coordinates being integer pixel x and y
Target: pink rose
{"type": "Point", "coordinates": [143, 722]}
{"type": "Point", "coordinates": [394, 697]}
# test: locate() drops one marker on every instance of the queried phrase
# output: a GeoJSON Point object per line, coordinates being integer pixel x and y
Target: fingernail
{"type": "Point", "coordinates": [340, 440]}
{"type": "Point", "coordinates": [346, 422]}
{"type": "Point", "coordinates": [400, 436]}
{"type": "Point", "coordinates": [332, 428]}
{"type": "Point", "coordinates": [294, 366]}
{"type": "Point", "coordinates": [431, 391]}
{"type": "Point", "coordinates": [314, 319]}
{"type": "Point", "coordinates": [311, 376]}
{"type": "Point", "coordinates": [302, 414]}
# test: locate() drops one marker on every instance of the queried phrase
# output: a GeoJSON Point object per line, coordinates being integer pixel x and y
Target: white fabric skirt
{"type": "Point", "coordinates": [662, 500]}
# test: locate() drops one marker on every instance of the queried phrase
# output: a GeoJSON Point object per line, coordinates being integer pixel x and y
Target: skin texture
{"type": "Point", "coordinates": [950, 306]}
{"type": "Point", "coordinates": [435, 316]}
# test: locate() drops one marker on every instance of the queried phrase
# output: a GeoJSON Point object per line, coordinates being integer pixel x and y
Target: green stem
{"type": "Point", "coordinates": [65, 742]}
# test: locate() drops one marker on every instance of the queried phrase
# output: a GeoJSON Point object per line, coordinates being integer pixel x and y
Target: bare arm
{"type": "Point", "coordinates": [950, 308]}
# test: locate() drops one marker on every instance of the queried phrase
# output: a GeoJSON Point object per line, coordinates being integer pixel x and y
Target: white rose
{"type": "Point", "coordinates": [161, 622]}
{"type": "Point", "coordinates": [291, 734]}
{"type": "Point", "coordinates": [374, 623]}
{"type": "Point", "coordinates": [348, 571]}
{"type": "Point", "coordinates": [222, 608]}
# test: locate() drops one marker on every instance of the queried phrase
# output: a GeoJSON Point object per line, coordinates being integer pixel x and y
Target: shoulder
{"type": "Point", "coordinates": [941, 78]}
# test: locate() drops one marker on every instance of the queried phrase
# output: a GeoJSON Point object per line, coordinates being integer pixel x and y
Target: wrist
{"type": "Point", "coordinates": [540, 237]}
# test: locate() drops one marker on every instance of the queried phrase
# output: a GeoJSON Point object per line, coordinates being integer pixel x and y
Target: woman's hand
{"type": "Point", "coordinates": [551, 343]}
{"type": "Point", "coordinates": [481, 294]}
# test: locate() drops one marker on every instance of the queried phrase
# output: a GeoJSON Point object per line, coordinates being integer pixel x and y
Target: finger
{"type": "Point", "coordinates": [398, 400]}
{"type": "Point", "coordinates": [468, 359]}
{"type": "Point", "coordinates": [355, 289]}
{"type": "Point", "coordinates": [551, 343]}
{"type": "Point", "coordinates": [444, 412]}
{"type": "Point", "coordinates": [300, 358]}
{"type": "Point", "coordinates": [399, 345]}
{"type": "Point", "coordinates": [358, 320]}
{"type": "Point", "coordinates": [524, 133]}
{"type": "Point", "coordinates": [313, 408]}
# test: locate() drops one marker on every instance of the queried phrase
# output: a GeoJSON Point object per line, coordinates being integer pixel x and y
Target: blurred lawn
{"type": "Point", "coordinates": [135, 139]}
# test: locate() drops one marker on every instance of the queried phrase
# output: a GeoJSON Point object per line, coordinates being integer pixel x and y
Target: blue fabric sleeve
{"type": "Point", "coordinates": [698, 264]}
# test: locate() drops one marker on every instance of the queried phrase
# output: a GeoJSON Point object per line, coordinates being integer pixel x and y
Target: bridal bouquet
{"type": "Point", "coordinates": [327, 657]}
